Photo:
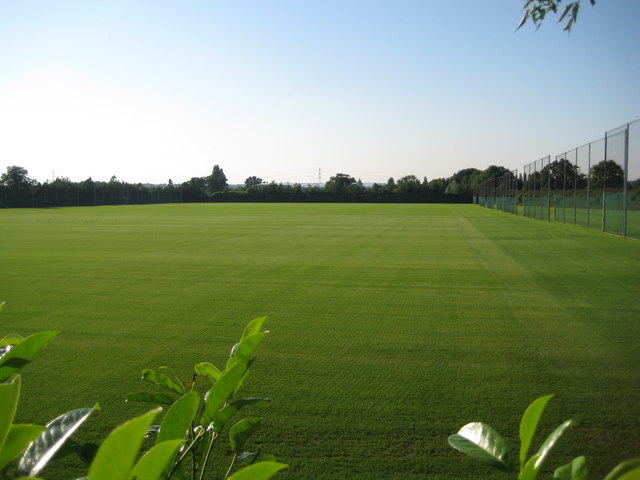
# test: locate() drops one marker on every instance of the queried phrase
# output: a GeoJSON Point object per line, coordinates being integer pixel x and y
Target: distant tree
{"type": "Point", "coordinates": [409, 186]}
{"type": "Point", "coordinates": [217, 181]}
{"type": "Point", "coordinates": [15, 177]}
{"type": "Point", "coordinates": [340, 183]}
{"type": "Point", "coordinates": [608, 173]}
{"type": "Point", "coordinates": [252, 181]}
{"type": "Point", "coordinates": [537, 10]}
{"type": "Point", "coordinates": [563, 174]}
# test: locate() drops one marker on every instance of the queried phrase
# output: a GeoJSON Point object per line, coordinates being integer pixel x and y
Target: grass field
{"type": "Point", "coordinates": [391, 325]}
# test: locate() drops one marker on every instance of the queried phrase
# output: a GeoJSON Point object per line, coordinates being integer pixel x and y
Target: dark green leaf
{"type": "Point", "coordinates": [18, 439]}
{"type": "Point", "coordinates": [161, 379]}
{"type": "Point", "coordinates": [629, 470]}
{"type": "Point", "coordinates": [57, 432]}
{"type": "Point", "coordinates": [483, 443]}
{"type": "Point", "coordinates": [529, 424]}
{"type": "Point", "coordinates": [241, 431]}
{"type": "Point", "coordinates": [117, 453]}
{"type": "Point", "coordinates": [178, 418]}
{"type": "Point", "coordinates": [258, 471]}
{"type": "Point", "coordinates": [221, 391]}
{"type": "Point", "coordinates": [9, 394]}
{"type": "Point", "coordinates": [574, 470]}
{"type": "Point", "coordinates": [224, 415]}
{"type": "Point", "coordinates": [23, 353]}
{"type": "Point", "coordinates": [154, 398]}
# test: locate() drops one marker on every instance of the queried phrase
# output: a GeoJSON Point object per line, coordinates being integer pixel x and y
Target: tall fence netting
{"type": "Point", "coordinates": [596, 185]}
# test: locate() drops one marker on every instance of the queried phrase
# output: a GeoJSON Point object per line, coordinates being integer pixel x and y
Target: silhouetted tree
{"type": "Point", "coordinates": [217, 181]}
{"type": "Point", "coordinates": [252, 181]}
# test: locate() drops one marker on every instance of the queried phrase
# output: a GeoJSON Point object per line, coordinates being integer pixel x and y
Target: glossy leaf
{"type": "Point", "coordinates": [483, 443]}
{"type": "Point", "coordinates": [9, 394]}
{"type": "Point", "coordinates": [241, 431]}
{"type": "Point", "coordinates": [18, 439]}
{"type": "Point", "coordinates": [253, 327]}
{"type": "Point", "coordinates": [550, 442]}
{"type": "Point", "coordinates": [529, 424]}
{"type": "Point", "coordinates": [57, 432]}
{"type": "Point", "coordinates": [245, 348]}
{"type": "Point", "coordinates": [23, 353]}
{"type": "Point", "coordinates": [154, 398]}
{"type": "Point", "coordinates": [209, 370]}
{"type": "Point", "coordinates": [574, 470]}
{"type": "Point", "coordinates": [224, 415]}
{"type": "Point", "coordinates": [117, 453]}
{"type": "Point", "coordinates": [161, 379]}
{"type": "Point", "coordinates": [258, 471]}
{"type": "Point", "coordinates": [155, 461]}
{"type": "Point", "coordinates": [178, 418]}
{"type": "Point", "coordinates": [221, 391]}
{"type": "Point", "coordinates": [629, 470]}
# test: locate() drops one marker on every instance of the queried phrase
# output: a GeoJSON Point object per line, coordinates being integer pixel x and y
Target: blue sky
{"type": "Point", "coordinates": [152, 90]}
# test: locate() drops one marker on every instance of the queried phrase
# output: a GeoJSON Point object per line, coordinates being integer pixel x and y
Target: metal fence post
{"type": "Point", "coordinates": [626, 178]}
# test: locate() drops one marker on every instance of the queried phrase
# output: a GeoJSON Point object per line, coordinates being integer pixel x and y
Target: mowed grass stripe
{"type": "Point", "coordinates": [392, 325]}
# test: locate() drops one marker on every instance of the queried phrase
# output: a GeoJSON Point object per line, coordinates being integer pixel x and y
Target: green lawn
{"type": "Point", "coordinates": [391, 325]}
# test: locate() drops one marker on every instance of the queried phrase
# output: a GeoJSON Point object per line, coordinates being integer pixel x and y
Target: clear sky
{"type": "Point", "coordinates": [153, 90]}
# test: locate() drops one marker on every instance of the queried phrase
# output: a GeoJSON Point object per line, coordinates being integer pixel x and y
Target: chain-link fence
{"type": "Point", "coordinates": [596, 185]}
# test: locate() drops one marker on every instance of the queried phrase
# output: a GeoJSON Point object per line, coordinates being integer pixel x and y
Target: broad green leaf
{"type": "Point", "coordinates": [155, 398]}
{"type": "Point", "coordinates": [224, 415]}
{"type": "Point", "coordinates": [529, 424]}
{"type": "Point", "coordinates": [258, 471]}
{"type": "Point", "coordinates": [241, 431]}
{"type": "Point", "coordinates": [23, 353]}
{"type": "Point", "coordinates": [1, 305]}
{"type": "Point", "coordinates": [161, 379]}
{"type": "Point", "coordinates": [253, 327]}
{"type": "Point", "coordinates": [11, 339]}
{"type": "Point", "coordinates": [18, 439]}
{"type": "Point", "coordinates": [9, 394]}
{"type": "Point", "coordinates": [550, 442]}
{"type": "Point", "coordinates": [57, 432]}
{"type": "Point", "coordinates": [178, 418]}
{"type": "Point", "coordinates": [209, 370]}
{"type": "Point", "coordinates": [245, 348]}
{"type": "Point", "coordinates": [117, 453]}
{"type": "Point", "coordinates": [529, 471]}
{"type": "Point", "coordinates": [576, 469]}
{"type": "Point", "coordinates": [483, 443]}
{"type": "Point", "coordinates": [628, 470]}
{"type": "Point", "coordinates": [221, 391]}
{"type": "Point", "coordinates": [155, 461]}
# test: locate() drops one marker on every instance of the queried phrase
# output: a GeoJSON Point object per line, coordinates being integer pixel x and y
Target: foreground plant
{"type": "Point", "coordinates": [26, 449]}
{"type": "Point", "coordinates": [196, 422]}
{"type": "Point", "coordinates": [484, 443]}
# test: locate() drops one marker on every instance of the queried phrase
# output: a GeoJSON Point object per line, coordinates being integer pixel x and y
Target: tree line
{"type": "Point", "coordinates": [18, 190]}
